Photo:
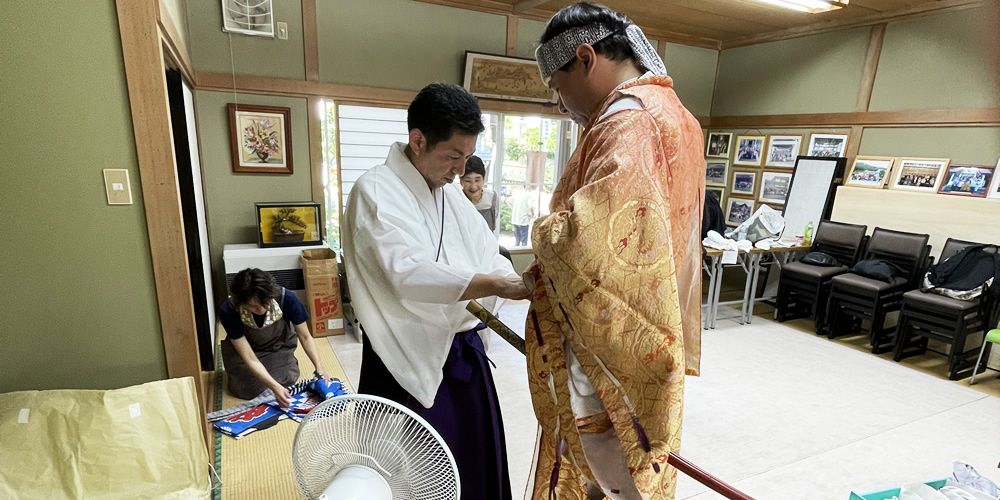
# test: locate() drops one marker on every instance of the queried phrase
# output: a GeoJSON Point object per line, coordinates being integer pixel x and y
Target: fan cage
{"type": "Point", "coordinates": [359, 429]}
{"type": "Point", "coordinates": [248, 17]}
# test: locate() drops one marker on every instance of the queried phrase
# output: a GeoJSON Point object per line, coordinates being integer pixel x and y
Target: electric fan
{"type": "Point", "coordinates": [361, 447]}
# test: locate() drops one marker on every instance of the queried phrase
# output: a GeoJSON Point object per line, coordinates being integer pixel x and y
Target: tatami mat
{"type": "Point", "coordinates": [259, 466]}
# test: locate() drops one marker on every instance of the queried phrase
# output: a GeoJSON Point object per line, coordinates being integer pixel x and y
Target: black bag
{"type": "Point", "coordinates": [877, 269]}
{"type": "Point", "coordinates": [819, 259]}
{"type": "Point", "coordinates": [966, 271]}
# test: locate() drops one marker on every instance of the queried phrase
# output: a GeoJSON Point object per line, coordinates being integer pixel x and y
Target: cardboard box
{"type": "Point", "coordinates": [319, 269]}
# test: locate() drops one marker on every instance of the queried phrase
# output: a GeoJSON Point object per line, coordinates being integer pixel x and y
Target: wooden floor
{"type": "Point", "coordinates": [259, 466]}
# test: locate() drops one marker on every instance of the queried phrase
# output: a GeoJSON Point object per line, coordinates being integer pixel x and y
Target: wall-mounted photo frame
{"type": "Point", "coordinates": [716, 172]}
{"type": "Point", "coordinates": [717, 192]}
{"type": "Point", "coordinates": [738, 210]}
{"type": "Point", "coordinates": [504, 77]}
{"type": "Point", "coordinates": [920, 174]}
{"type": "Point", "coordinates": [718, 144]}
{"type": "Point", "coordinates": [994, 189]}
{"type": "Point", "coordinates": [288, 224]}
{"type": "Point", "coordinates": [870, 172]}
{"type": "Point", "coordinates": [260, 139]}
{"type": "Point", "coordinates": [827, 145]}
{"type": "Point", "coordinates": [967, 180]}
{"type": "Point", "coordinates": [774, 187]}
{"type": "Point", "coordinates": [744, 183]}
{"type": "Point", "coordinates": [782, 150]}
{"type": "Point", "coordinates": [749, 150]}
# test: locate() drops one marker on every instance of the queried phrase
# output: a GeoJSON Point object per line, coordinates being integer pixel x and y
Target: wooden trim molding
{"type": "Point", "coordinates": [854, 143]}
{"type": "Point", "coordinates": [924, 9]}
{"type": "Point", "coordinates": [347, 93]}
{"type": "Point", "coordinates": [174, 44]}
{"type": "Point", "coordinates": [316, 163]}
{"type": "Point", "coordinates": [914, 117]}
{"type": "Point", "coordinates": [511, 35]}
{"type": "Point", "coordinates": [871, 67]}
{"type": "Point", "coordinates": [310, 40]}
{"type": "Point", "coordinates": [142, 52]}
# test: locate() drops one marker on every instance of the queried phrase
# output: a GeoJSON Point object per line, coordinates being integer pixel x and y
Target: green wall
{"type": "Point", "coordinates": [963, 145]}
{"type": "Point", "coordinates": [936, 62]}
{"type": "Point", "coordinates": [693, 70]}
{"type": "Point", "coordinates": [78, 295]}
{"type": "Point", "coordinates": [178, 14]}
{"type": "Point", "coordinates": [229, 197]}
{"type": "Point", "coordinates": [250, 55]}
{"type": "Point", "coordinates": [815, 74]}
{"type": "Point", "coordinates": [406, 46]}
{"type": "Point", "coordinates": [528, 34]}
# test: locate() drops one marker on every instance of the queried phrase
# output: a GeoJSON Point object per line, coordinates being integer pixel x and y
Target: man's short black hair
{"type": "Point", "coordinates": [474, 165]}
{"type": "Point", "coordinates": [441, 110]}
{"type": "Point", "coordinates": [252, 283]}
{"type": "Point", "coordinates": [614, 47]}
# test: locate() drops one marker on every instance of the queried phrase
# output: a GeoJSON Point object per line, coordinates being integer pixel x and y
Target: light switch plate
{"type": "Point", "coordinates": [117, 186]}
{"type": "Point", "coordinates": [283, 31]}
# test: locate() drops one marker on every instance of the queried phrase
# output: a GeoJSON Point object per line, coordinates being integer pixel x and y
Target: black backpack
{"type": "Point", "coordinates": [967, 270]}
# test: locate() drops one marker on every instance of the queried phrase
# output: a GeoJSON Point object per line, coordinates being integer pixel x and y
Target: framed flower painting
{"type": "Point", "coordinates": [261, 139]}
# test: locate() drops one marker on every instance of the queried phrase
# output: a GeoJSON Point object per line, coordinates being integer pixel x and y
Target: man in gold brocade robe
{"type": "Point", "coordinates": [615, 319]}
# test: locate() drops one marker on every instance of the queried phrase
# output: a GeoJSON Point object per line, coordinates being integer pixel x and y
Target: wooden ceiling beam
{"type": "Point", "coordinates": [526, 5]}
{"type": "Point", "coordinates": [923, 9]}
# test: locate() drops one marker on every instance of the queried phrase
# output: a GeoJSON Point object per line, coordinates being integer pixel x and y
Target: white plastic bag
{"type": "Point", "coordinates": [919, 491]}
{"type": "Point", "coordinates": [765, 223]}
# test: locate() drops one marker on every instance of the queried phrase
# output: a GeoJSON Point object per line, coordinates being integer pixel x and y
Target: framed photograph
{"type": "Point", "coordinates": [826, 145]}
{"type": "Point", "coordinates": [288, 224]}
{"type": "Point", "coordinates": [718, 144]}
{"type": "Point", "coordinates": [503, 77]}
{"type": "Point", "coordinates": [738, 210]}
{"type": "Point", "coordinates": [870, 172]}
{"type": "Point", "coordinates": [774, 187]}
{"type": "Point", "coordinates": [716, 172]}
{"type": "Point", "coordinates": [920, 174]}
{"type": "Point", "coordinates": [782, 150]}
{"type": "Point", "coordinates": [967, 180]}
{"type": "Point", "coordinates": [260, 139]}
{"type": "Point", "coordinates": [717, 193]}
{"type": "Point", "coordinates": [994, 189]}
{"type": "Point", "coordinates": [744, 183]}
{"type": "Point", "coordinates": [749, 149]}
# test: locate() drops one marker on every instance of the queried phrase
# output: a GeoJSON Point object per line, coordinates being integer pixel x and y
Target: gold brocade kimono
{"type": "Point", "coordinates": [618, 275]}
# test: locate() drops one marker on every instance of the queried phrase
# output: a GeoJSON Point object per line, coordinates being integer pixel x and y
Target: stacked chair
{"type": "Point", "coordinates": [929, 316]}
{"type": "Point", "coordinates": [803, 289]}
{"type": "Point", "coordinates": [854, 297]}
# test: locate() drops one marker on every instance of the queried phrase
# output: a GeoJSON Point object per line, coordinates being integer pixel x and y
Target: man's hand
{"type": "Point", "coordinates": [512, 287]}
{"type": "Point", "coordinates": [282, 395]}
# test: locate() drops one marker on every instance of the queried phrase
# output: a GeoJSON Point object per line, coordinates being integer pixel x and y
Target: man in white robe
{"type": "Point", "coordinates": [415, 252]}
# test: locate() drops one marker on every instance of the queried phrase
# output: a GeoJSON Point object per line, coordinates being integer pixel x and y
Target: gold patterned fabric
{"type": "Point", "coordinates": [618, 276]}
{"type": "Point", "coordinates": [272, 315]}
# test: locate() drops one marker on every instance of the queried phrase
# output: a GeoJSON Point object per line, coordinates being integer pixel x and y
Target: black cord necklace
{"type": "Point", "coordinates": [441, 235]}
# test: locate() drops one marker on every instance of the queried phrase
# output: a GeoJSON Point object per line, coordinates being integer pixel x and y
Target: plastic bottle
{"type": "Point", "coordinates": [808, 239]}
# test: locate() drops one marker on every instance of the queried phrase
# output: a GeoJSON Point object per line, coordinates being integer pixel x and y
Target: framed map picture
{"type": "Point", "coordinates": [502, 77]}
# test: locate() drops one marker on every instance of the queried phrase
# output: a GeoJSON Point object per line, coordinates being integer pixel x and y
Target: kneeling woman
{"type": "Point", "coordinates": [262, 322]}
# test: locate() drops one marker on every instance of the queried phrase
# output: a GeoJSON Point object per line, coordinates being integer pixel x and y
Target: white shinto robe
{"type": "Point", "coordinates": [408, 303]}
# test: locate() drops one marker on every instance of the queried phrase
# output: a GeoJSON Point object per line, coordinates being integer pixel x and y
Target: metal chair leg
{"type": "Point", "coordinates": [975, 368]}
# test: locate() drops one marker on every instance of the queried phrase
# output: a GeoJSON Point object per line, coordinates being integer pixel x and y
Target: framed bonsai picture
{"type": "Point", "coordinates": [287, 224]}
{"type": "Point", "coordinates": [504, 77]}
{"type": "Point", "coordinates": [260, 139]}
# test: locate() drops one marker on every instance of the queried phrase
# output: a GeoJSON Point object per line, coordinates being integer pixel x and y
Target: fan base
{"type": "Point", "coordinates": [357, 482]}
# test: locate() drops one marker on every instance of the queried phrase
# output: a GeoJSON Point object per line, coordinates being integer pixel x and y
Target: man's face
{"type": "Point", "coordinates": [571, 88]}
{"type": "Point", "coordinates": [472, 184]}
{"type": "Point", "coordinates": [441, 163]}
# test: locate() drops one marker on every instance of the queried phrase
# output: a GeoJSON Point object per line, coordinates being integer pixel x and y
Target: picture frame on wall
{"type": "Point", "coordinates": [504, 77]}
{"type": "Point", "coordinates": [994, 190]}
{"type": "Point", "coordinates": [774, 187]}
{"type": "Point", "coordinates": [920, 174]}
{"type": "Point", "coordinates": [827, 145]}
{"type": "Point", "coordinates": [717, 192]}
{"type": "Point", "coordinates": [716, 172]}
{"type": "Point", "coordinates": [718, 144]}
{"type": "Point", "coordinates": [288, 224]}
{"type": "Point", "coordinates": [749, 150]}
{"type": "Point", "coordinates": [782, 150]}
{"type": "Point", "coordinates": [738, 210]}
{"type": "Point", "coordinates": [870, 172]}
{"type": "Point", "coordinates": [967, 180]}
{"type": "Point", "coordinates": [744, 183]}
{"type": "Point", "coordinates": [260, 139]}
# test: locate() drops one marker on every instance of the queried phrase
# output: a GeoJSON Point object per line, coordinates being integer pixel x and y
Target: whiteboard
{"type": "Point", "coordinates": [810, 193]}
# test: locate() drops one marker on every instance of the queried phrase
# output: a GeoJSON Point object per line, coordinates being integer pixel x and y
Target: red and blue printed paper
{"type": "Point", "coordinates": [252, 420]}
